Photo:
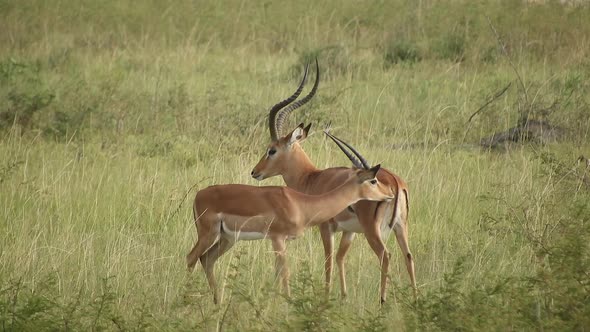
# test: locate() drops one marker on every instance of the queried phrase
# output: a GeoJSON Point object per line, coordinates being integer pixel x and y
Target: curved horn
{"type": "Point", "coordinates": [272, 114]}
{"type": "Point", "coordinates": [354, 161]}
{"type": "Point", "coordinates": [361, 158]}
{"type": "Point", "coordinates": [364, 161]}
{"type": "Point", "coordinates": [285, 113]}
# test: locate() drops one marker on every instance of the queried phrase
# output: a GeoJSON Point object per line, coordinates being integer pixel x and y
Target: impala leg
{"type": "Point", "coordinates": [345, 243]}
{"type": "Point", "coordinates": [370, 217]}
{"type": "Point", "coordinates": [279, 246]}
{"type": "Point", "coordinates": [207, 238]}
{"type": "Point", "coordinates": [401, 234]}
{"type": "Point", "coordinates": [374, 238]}
{"type": "Point", "coordinates": [208, 260]}
{"type": "Point", "coordinates": [328, 242]}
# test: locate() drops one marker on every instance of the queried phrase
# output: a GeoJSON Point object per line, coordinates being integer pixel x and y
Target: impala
{"type": "Point", "coordinates": [225, 214]}
{"type": "Point", "coordinates": [284, 156]}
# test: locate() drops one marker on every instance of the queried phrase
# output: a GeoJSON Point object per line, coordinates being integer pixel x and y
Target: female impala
{"type": "Point", "coordinates": [227, 213]}
{"type": "Point", "coordinates": [373, 219]}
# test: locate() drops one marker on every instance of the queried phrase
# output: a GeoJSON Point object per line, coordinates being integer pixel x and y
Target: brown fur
{"type": "Point", "coordinates": [298, 172]}
{"type": "Point", "coordinates": [277, 213]}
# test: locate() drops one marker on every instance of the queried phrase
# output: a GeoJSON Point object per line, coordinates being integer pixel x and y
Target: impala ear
{"type": "Point", "coordinates": [375, 169]}
{"type": "Point", "coordinates": [368, 174]}
{"type": "Point", "coordinates": [306, 129]}
{"type": "Point", "coordinates": [298, 134]}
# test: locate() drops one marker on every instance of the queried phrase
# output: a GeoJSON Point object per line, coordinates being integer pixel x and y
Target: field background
{"type": "Point", "coordinates": [113, 114]}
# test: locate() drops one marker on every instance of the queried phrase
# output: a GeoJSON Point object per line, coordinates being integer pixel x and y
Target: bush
{"type": "Point", "coordinates": [450, 46]}
{"type": "Point", "coordinates": [401, 51]}
{"type": "Point", "coordinates": [26, 95]}
{"type": "Point", "coordinates": [554, 295]}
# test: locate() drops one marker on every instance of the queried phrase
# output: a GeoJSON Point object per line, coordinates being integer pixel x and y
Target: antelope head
{"type": "Point", "coordinates": [283, 150]}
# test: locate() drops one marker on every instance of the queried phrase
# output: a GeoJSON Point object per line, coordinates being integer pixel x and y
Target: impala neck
{"type": "Point", "coordinates": [299, 168]}
{"type": "Point", "coordinates": [321, 208]}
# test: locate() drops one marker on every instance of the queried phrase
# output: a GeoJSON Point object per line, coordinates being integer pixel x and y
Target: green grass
{"type": "Point", "coordinates": [113, 115]}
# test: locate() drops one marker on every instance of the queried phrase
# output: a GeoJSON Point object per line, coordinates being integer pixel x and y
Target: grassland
{"type": "Point", "coordinates": [113, 113]}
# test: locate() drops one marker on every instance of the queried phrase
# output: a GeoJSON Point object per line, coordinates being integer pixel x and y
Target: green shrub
{"type": "Point", "coordinates": [450, 46]}
{"type": "Point", "coordinates": [312, 310]}
{"type": "Point", "coordinates": [553, 295]}
{"type": "Point", "coordinates": [401, 51]}
{"type": "Point", "coordinates": [26, 95]}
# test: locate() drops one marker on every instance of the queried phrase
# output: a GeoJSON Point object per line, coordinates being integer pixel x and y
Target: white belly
{"type": "Point", "coordinates": [349, 225]}
{"type": "Point", "coordinates": [241, 236]}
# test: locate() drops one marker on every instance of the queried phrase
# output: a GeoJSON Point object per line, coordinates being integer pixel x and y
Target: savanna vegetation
{"type": "Point", "coordinates": [113, 114]}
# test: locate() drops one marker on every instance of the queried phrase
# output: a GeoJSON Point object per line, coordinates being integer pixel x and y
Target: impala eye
{"type": "Point", "coordinates": [271, 152]}
{"type": "Point", "coordinates": [373, 181]}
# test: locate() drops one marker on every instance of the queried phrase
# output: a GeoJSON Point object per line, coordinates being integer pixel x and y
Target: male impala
{"type": "Point", "coordinates": [227, 213]}
{"type": "Point", "coordinates": [374, 219]}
